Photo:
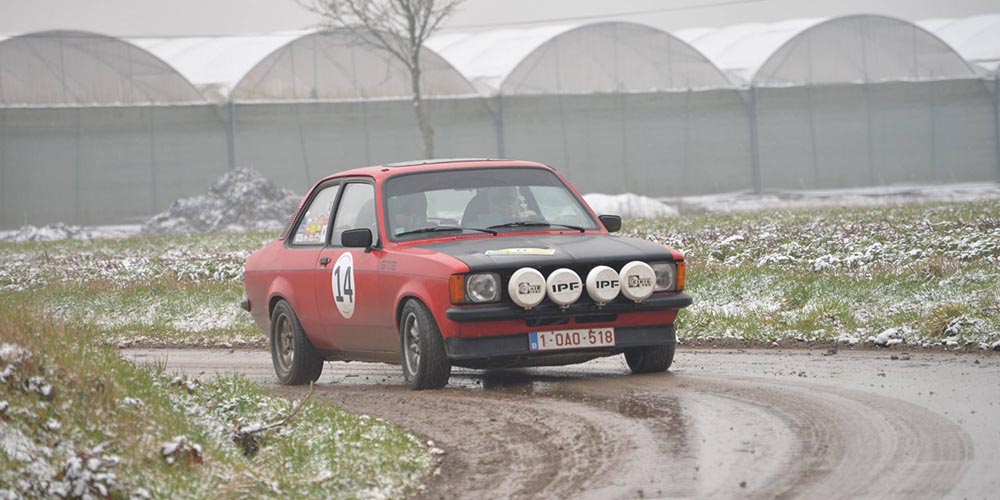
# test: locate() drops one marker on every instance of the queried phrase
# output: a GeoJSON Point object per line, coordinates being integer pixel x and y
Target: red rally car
{"type": "Point", "coordinates": [471, 263]}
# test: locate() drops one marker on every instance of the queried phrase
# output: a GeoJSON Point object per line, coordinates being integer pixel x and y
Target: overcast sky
{"type": "Point", "coordinates": [203, 17]}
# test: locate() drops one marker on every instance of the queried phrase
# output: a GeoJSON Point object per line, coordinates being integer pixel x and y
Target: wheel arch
{"type": "Point", "coordinates": [272, 303]}
{"type": "Point", "coordinates": [279, 290]}
{"type": "Point", "coordinates": [400, 303]}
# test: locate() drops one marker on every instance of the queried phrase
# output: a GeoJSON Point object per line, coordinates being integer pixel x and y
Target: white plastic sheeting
{"type": "Point", "coordinates": [850, 49]}
{"type": "Point", "coordinates": [574, 59]}
{"type": "Point", "coordinates": [742, 49]}
{"type": "Point", "coordinates": [300, 65]}
{"type": "Point", "coordinates": [342, 65]}
{"type": "Point", "coordinates": [487, 58]}
{"type": "Point", "coordinates": [80, 68]}
{"type": "Point", "coordinates": [976, 38]}
{"type": "Point", "coordinates": [216, 64]}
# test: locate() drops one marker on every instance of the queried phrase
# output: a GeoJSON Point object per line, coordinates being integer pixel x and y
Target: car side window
{"type": "Point", "coordinates": [312, 227]}
{"type": "Point", "coordinates": [356, 211]}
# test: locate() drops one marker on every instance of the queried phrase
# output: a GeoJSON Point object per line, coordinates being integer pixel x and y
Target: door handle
{"type": "Point", "coordinates": [324, 261]}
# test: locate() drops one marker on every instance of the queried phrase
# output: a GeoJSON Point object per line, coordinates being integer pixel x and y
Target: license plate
{"type": "Point", "coordinates": [571, 339]}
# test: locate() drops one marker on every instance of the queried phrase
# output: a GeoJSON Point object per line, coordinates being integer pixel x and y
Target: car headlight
{"type": "Point", "coordinates": [482, 287]}
{"type": "Point", "coordinates": [666, 276]}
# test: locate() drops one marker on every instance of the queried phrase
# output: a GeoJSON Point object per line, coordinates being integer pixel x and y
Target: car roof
{"type": "Point", "coordinates": [390, 169]}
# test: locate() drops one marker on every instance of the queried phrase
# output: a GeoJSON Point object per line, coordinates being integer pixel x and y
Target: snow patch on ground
{"type": "Point", "coordinates": [13, 353]}
{"type": "Point", "coordinates": [889, 337]}
{"type": "Point", "coordinates": [628, 205]}
{"type": "Point", "coordinates": [829, 198]}
{"type": "Point", "coordinates": [241, 200]}
{"type": "Point", "coordinates": [212, 317]}
{"type": "Point", "coordinates": [60, 231]}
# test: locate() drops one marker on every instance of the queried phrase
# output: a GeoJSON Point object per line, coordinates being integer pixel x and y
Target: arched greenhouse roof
{"type": "Point", "coordinates": [598, 57]}
{"type": "Point", "coordinates": [850, 49]}
{"type": "Point", "coordinates": [976, 38]}
{"type": "Point", "coordinates": [302, 65]}
{"type": "Point", "coordinates": [78, 68]}
{"type": "Point", "coordinates": [340, 65]}
{"type": "Point", "coordinates": [215, 64]}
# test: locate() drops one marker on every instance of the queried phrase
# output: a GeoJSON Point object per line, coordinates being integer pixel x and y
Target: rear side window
{"type": "Point", "coordinates": [313, 225]}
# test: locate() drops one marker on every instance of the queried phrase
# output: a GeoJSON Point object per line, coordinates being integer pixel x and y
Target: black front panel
{"type": "Point", "coordinates": [503, 348]}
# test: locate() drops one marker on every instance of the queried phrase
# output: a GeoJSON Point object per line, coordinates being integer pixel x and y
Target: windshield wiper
{"type": "Point", "coordinates": [438, 229]}
{"type": "Point", "coordinates": [536, 224]}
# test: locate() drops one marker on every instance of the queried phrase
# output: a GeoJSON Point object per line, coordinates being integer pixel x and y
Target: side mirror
{"type": "Point", "coordinates": [613, 223]}
{"type": "Point", "coordinates": [357, 238]}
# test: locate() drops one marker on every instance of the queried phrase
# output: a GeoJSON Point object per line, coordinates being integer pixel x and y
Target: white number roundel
{"type": "Point", "coordinates": [342, 280]}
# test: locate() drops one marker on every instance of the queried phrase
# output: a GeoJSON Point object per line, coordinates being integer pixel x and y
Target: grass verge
{"type": "Point", "coordinates": [77, 420]}
{"type": "Point", "coordinates": [925, 274]}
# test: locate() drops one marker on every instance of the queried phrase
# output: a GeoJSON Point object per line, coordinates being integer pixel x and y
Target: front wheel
{"type": "Point", "coordinates": [425, 363]}
{"type": "Point", "coordinates": [652, 359]}
{"type": "Point", "coordinates": [295, 360]}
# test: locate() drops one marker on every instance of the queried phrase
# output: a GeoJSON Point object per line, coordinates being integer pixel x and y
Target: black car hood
{"type": "Point", "coordinates": [549, 251]}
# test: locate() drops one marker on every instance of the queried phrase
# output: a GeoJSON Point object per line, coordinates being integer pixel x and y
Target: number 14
{"type": "Point", "coordinates": [343, 287]}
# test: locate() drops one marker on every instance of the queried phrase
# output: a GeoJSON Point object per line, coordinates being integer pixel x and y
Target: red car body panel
{"type": "Point", "coordinates": [388, 274]}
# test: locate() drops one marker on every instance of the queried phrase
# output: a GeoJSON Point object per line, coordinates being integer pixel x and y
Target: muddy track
{"type": "Point", "coordinates": [594, 432]}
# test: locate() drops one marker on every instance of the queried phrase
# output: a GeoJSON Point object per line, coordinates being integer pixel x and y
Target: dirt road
{"type": "Point", "coordinates": [721, 424]}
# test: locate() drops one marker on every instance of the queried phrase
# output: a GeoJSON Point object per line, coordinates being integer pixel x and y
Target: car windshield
{"type": "Point", "coordinates": [423, 205]}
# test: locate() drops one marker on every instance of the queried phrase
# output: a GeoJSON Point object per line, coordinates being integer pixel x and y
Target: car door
{"type": "Point", "coordinates": [303, 252]}
{"type": "Point", "coordinates": [351, 302]}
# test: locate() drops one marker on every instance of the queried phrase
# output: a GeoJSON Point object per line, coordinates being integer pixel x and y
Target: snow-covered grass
{"type": "Point", "coordinates": [930, 273]}
{"type": "Point", "coordinates": [78, 421]}
{"type": "Point", "coordinates": [152, 290]}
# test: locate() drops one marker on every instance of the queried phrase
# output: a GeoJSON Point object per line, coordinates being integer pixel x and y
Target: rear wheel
{"type": "Point", "coordinates": [652, 359]}
{"type": "Point", "coordinates": [425, 363]}
{"type": "Point", "coordinates": [295, 360]}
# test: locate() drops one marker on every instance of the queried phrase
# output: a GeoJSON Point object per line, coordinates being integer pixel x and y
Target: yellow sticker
{"type": "Point", "coordinates": [521, 251]}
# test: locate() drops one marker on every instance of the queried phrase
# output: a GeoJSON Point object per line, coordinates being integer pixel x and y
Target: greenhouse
{"type": "Point", "coordinates": [857, 101]}
{"type": "Point", "coordinates": [616, 106]}
{"type": "Point", "coordinates": [304, 104]}
{"type": "Point", "coordinates": [976, 38]}
{"type": "Point", "coordinates": [101, 130]}
{"type": "Point", "coordinates": [95, 130]}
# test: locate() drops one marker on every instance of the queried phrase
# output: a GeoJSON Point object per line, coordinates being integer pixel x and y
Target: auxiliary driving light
{"type": "Point", "coordinates": [526, 287]}
{"type": "Point", "coordinates": [637, 280]}
{"type": "Point", "coordinates": [564, 287]}
{"type": "Point", "coordinates": [603, 284]}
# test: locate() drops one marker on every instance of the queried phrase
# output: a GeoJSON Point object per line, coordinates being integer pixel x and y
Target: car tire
{"type": "Point", "coordinates": [652, 359]}
{"type": "Point", "coordinates": [296, 361]}
{"type": "Point", "coordinates": [425, 362]}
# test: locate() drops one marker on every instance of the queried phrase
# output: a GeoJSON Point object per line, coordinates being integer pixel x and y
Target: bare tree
{"type": "Point", "coordinates": [400, 27]}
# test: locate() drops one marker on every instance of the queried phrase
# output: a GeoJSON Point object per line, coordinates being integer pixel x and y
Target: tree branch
{"type": "Point", "coordinates": [399, 27]}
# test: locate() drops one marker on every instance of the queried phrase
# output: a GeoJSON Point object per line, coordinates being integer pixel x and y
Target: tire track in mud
{"type": "Point", "coordinates": [841, 443]}
{"type": "Point", "coordinates": [497, 445]}
{"type": "Point", "coordinates": [593, 432]}
{"type": "Point", "coordinates": [534, 435]}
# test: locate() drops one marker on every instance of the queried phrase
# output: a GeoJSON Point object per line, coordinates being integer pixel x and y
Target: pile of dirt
{"type": "Point", "coordinates": [241, 200]}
